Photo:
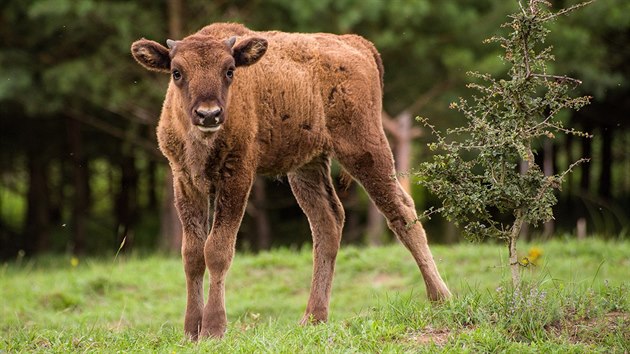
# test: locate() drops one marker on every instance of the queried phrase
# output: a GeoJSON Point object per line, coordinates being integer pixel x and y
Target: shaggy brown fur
{"type": "Point", "coordinates": [294, 102]}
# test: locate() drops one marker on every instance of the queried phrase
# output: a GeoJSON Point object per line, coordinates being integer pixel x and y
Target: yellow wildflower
{"type": "Point", "coordinates": [534, 254]}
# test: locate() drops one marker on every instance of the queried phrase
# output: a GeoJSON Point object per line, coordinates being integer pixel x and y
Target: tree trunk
{"type": "Point", "coordinates": [524, 229]}
{"type": "Point", "coordinates": [37, 223]}
{"type": "Point", "coordinates": [152, 199]}
{"type": "Point", "coordinates": [261, 218]}
{"type": "Point", "coordinates": [175, 19]}
{"type": "Point", "coordinates": [126, 210]}
{"type": "Point", "coordinates": [170, 226]}
{"type": "Point", "coordinates": [548, 170]}
{"type": "Point", "coordinates": [518, 226]}
{"type": "Point", "coordinates": [56, 199]}
{"type": "Point", "coordinates": [450, 233]}
{"type": "Point", "coordinates": [586, 167]}
{"type": "Point", "coordinates": [626, 162]}
{"type": "Point", "coordinates": [353, 230]}
{"type": "Point", "coordinates": [514, 263]}
{"type": "Point", "coordinates": [568, 149]}
{"type": "Point", "coordinates": [402, 133]}
{"type": "Point", "coordinates": [81, 185]}
{"type": "Point", "coordinates": [580, 228]}
{"type": "Point", "coordinates": [403, 149]}
{"type": "Point", "coordinates": [605, 175]}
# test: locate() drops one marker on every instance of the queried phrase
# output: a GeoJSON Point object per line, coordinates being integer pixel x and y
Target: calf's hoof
{"type": "Point", "coordinates": [192, 330]}
{"type": "Point", "coordinates": [214, 333]}
{"type": "Point", "coordinates": [438, 293]}
{"type": "Point", "coordinates": [312, 318]}
{"type": "Point", "coordinates": [214, 324]}
{"type": "Point", "coordinates": [192, 336]}
{"type": "Point", "coordinates": [214, 330]}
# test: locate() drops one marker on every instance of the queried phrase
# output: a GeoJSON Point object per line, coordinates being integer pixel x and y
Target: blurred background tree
{"type": "Point", "coordinates": [80, 169]}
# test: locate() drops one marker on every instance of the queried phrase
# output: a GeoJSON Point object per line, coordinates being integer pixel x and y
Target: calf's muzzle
{"type": "Point", "coordinates": [208, 119]}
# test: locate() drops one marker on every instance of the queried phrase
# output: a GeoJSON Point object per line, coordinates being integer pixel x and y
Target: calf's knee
{"type": "Point", "coordinates": [193, 259]}
{"type": "Point", "coordinates": [218, 257]}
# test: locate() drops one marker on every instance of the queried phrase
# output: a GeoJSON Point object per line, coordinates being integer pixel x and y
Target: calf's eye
{"type": "Point", "coordinates": [229, 74]}
{"type": "Point", "coordinates": [177, 75]}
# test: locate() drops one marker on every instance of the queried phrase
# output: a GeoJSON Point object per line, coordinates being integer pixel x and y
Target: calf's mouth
{"type": "Point", "coordinates": [209, 128]}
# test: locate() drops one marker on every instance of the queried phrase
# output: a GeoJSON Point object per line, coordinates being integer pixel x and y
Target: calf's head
{"type": "Point", "coordinates": [202, 70]}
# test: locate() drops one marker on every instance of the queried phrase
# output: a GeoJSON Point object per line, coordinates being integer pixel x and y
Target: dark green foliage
{"type": "Point", "coordinates": [476, 173]}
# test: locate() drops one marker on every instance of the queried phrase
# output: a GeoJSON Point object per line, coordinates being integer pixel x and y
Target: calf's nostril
{"type": "Point", "coordinates": [215, 113]}
{"type": "Point", "coordinates": [209, 113]}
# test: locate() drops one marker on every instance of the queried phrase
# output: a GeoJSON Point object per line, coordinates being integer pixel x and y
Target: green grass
{"type": "Point", "coordinates": [575, 300]}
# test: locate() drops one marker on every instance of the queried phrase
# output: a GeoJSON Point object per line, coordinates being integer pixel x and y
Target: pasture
{"type": "Point", "coordinates": [575, 300]}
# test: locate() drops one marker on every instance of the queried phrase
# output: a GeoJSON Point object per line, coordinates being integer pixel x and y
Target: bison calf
{"type": "Point", "coordinates": [241, 102]}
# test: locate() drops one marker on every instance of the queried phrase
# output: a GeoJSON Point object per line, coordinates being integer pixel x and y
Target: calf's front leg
{"type": "Point", "coordinates": [192, 208]}
{"type": "Point", "coordinates": [229, 207]}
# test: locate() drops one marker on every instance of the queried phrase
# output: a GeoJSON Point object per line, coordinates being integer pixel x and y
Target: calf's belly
{"type": "Point", "coordinates": [290, 152]}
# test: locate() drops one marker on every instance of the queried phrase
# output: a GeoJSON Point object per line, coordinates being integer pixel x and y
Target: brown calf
{"type": "Point", "coordinates": [308, 98]}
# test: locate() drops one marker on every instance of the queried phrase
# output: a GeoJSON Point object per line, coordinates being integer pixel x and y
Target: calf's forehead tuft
{"type": "Point", "coordinates": [202, 44]}
{"type": "Point", "coordinates": [201, 50]}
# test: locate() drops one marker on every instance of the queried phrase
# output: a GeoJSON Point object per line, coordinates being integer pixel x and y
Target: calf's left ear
{"type": "Point", "coordinates": [248, 51]}
{"type": "Point", "coordinates": [152, 55]}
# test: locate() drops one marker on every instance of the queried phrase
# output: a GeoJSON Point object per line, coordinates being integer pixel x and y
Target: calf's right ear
{"type": "Point", "coordinates": [152, 55]}
{"type": "Point", "coordinates": [248, 51]}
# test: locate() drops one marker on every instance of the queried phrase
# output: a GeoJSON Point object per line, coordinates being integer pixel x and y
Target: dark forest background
{"type": "Point", "coordinates": [79, 166]}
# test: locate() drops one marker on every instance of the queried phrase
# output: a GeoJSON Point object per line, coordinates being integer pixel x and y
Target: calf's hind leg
{"type": "Point", "coordinates": [374, 169]}
{"type": "Point", "coordinates": [314, 191]}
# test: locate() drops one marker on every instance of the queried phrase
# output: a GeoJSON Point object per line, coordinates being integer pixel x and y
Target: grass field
{"type": "Point", "coordinates": [575, 300]}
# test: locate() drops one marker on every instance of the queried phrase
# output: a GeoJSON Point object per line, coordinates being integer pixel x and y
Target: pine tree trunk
{"type": "Point", "coordinates": [353, 230]}
{"type": "Point", "coordinates": [586, 167]}
{"type": "Point", "coordinates": [127, 201]}
{"type": "Point", "coordinates": [80, 178]}
{"type": "Point", "coordinates": [605, 175]}
{"type": "Point", "coordinates": [175, 19]}
{"type": "Point", "coordinates": [626, 162]}
{"type": "Point", "coordinates": [261, 218]}
{"type": "Point", "coordinates": [568, 149]}
{"type": "Point", "coordinates": [170, 226]}
{"type": "Point", "coordinates": [152, 199]}
{"type": "Point", "coordinates": [37, 222]}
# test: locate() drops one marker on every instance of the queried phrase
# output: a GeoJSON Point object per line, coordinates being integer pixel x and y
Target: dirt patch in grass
{"type": "Point", "coordinates": [610, 329]}
{"type": "Point", "coordinates": [430, 335]}
{"type": "Point", "coordinates": [594, 330]}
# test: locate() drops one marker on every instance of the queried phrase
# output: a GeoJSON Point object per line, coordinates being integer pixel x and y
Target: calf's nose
{"type": "Point", "coordinates": [212, 115]}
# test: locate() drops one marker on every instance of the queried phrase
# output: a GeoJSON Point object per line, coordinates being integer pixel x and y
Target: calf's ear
{"type": "Point", "coordinates": [152, 55]}
{"type": "Point", "coordinates": [249, 51]}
